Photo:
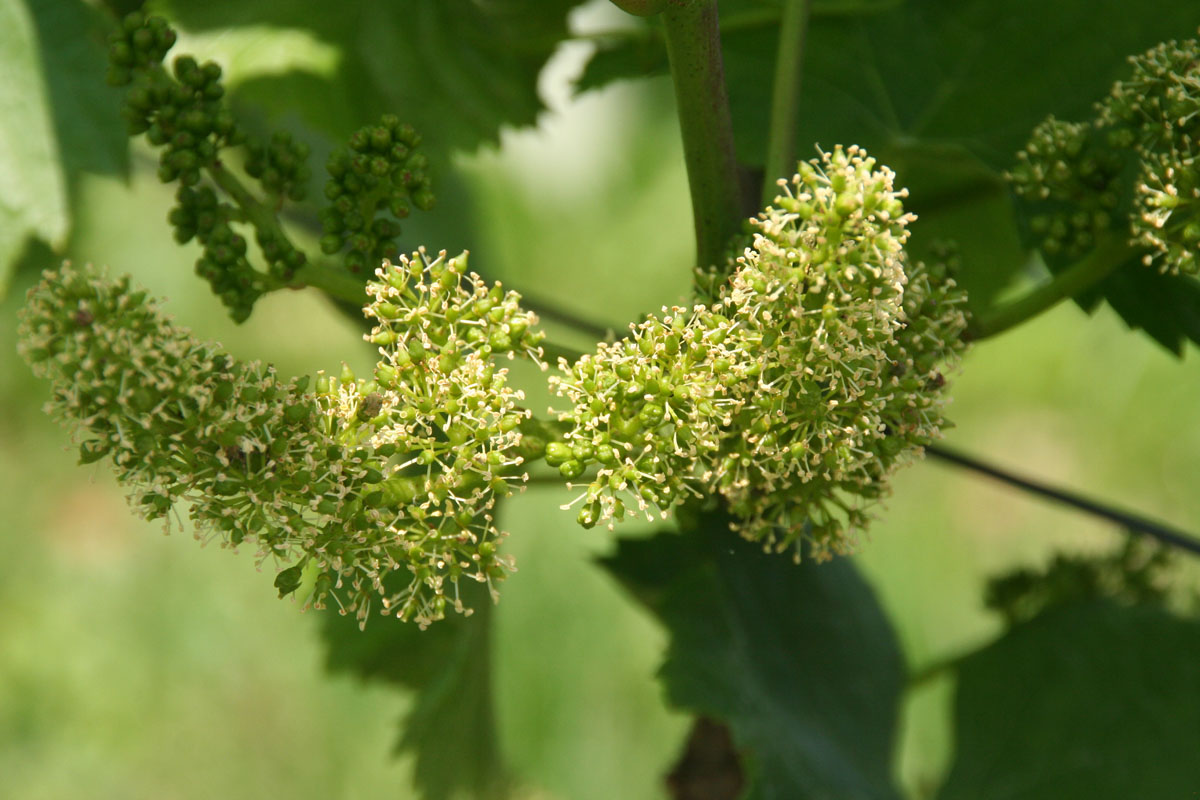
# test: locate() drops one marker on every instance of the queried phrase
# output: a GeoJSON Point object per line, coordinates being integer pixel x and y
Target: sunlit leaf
{"type": "Point", "coordinates": [34, 199]}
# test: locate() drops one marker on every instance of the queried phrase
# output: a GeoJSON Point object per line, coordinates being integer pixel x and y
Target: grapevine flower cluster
{"type": "Point", "coordinates": [1068, 178]}
{"type": "Point", "coordinates": [224, 264]}
{"type": "Point", "coordinates": [1135, 161]}
{"type": "Point", "coordinates": [182, 110]}
{"type": "Point", "coordinates": [280, 165]}
{"type": "Point", "coordinates": [793, 395]}
{"type": "Point", "coordinates": [796, 393]}
{"type": "Point", "coordinates": [441, 420]}
{"type": "Point", "coordinates": [792, 391]}
{"type": "Point", "coordinates": [1159, 106]}
{"type": "Point", "coordinates": [380, 173]}
{"type": "Point", "coordinates": [378, 494]}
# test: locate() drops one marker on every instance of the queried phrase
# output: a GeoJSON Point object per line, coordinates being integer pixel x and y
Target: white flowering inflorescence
{"type": "Point", "coordinates": [378, 491]}
{"type": "Point", "coordinates": [439, 420]}
{"type": "Point", "coordinates": [1159, 106]}
{"type": "Point", "coordinates": [792, 395]}
{"type": "Point", "coordinates": [648, 412]}
{"type": "Point", "coordinates": [847, 340]}
{"type": "Point", "coordinates": [797, 392]}
{"type": "Point", "coordinates": [1138, 153]}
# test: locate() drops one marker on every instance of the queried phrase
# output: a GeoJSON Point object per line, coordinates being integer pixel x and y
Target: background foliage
{"type": "Point", "coordinates": [137, 667]}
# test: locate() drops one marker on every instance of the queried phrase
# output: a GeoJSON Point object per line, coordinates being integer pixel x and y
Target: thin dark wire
{"type": "Point", "coordinates": [1131, 522]}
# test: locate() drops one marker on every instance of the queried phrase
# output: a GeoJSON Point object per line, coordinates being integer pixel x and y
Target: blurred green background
{"type": "Point", "coordinates": [134, 665]}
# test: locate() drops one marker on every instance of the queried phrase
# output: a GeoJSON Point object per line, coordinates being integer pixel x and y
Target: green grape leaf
{"type": "Point", "coordinates": [457, 70]}
{"type": "Point", "coordinates": [1165, 307]}
{"type": "Point", "coordinates": [943, 91]}
{"type": "Point", "coordinates": [1092, 701]}
{"type": "Point", "coordinates": [58, 119]}
{"type": "Point", "coordinates": [798, 660]}
{"type": "Point", "coordinates": [450, 729]}
{"type": "Point", "coordinates": [34, 200]}
{"type": "Point", "coordinates": [945, 73]}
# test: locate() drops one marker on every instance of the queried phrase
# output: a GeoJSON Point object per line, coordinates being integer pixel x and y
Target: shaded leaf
{"type": "Point", "coordinates": [638, 52]}
{"type": "Point", "coordinates": [1166, 307]}
{"type": "Point", "coordinates": [977, 74]}
{"type": "Point", "coordinates": [458, 70]}
{"type": "Point", "coordinates": [799, 661]}
{"type": "Point", "coordinates": [450, 729]}
{"type": "Point", "coordinates": [945, 92]}
{"type": "Point", "coordinates": [1134, 574]}
{"type": "Point", "coordinates": [1091, 701]}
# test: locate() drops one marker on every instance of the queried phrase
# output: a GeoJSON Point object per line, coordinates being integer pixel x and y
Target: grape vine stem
{"type": "Point", "coordinates": [1110, 253]}
{"type": "Point", "coordinates": [785, 96]}
{"type": "Point", "coordinates": [694, 50]}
